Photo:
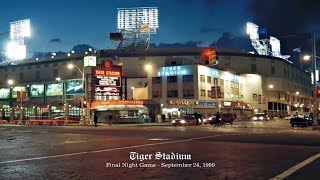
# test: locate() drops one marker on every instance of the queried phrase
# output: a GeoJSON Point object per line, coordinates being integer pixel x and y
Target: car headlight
{"type": "Point", "coordinates": [173, 121]}
{"type": "Point", "coordinates": [261, 118]}
{"type": "Point", "coordinates": [254, 118]}
{"type": "Point", "coordinates": [183, 121]}
{"type": "Point", "coordinates": [210, 118]}
{"type": "Point", "coordinates": [204, 120]}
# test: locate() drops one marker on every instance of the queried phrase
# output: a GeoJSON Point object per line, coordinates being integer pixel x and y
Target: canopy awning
{"type": "Point", "coordinates": [118, 107]}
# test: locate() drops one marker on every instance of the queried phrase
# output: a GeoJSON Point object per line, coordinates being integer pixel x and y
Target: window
{"type": "Point", "coordinates": [37, 74]}
{"type": "Point", "coordinates": [46, 65]}
{"type": "Point", "coordinates": [209, 79]}
{"type": "Point", "coordinates": [202, 78]}
{"type": "Point", "coordinates": [21, 76]}
{"type": "Point", "coordinates": [221, 82]}
{"type": "Point", "coordinates": [187, 78]}
{"type": "Point", "coordinates": [55, 64]}
{"type": "Point", "coordinates": [209, 93]}
{"type": "Point", "coordinates": [156, 80]}
{"type": "Point", "coordinates": [22, 68]}
{"type": "Point", "coordinates": [187, 92]}
{"type": "Point", "coordinates": [29, 67]}
{"type": "Point", "coordinates": [55, 73]}
{"type": "Point", "coordinates": [253, 68]}
{"type": "Point", "coordinates": [156, 94]}
{"type": "Point", "coordinates": [38, 66]}
{"type": "Point", "coordinates": [203, 93]}
{"type": "Point", "coordinates": [215, 81]}
{"type": "Point", "coordinates": [172, 79]}
{"type": "Point", "coordinates": [172, 93]}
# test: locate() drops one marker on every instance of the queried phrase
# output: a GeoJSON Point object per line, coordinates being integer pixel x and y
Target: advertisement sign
{"type": "Point", "coordinates": [4, 93]}
{"type": "Point", "coordinates": [108, 81]}
{"type": "Point", "coordinates": [22, 96]}
{"type": "Point", "coordinates": [17, 89]}
{"type": "Point", "coordinates": [55, 89]}
{"type": "Point", "coordinates": [36, 90]}
{"type": "Point", "coordinates": [74, 87]}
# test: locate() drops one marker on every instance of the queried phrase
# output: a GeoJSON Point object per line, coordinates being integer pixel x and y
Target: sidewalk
{"type": "Point", "coordinates": [131, 125]}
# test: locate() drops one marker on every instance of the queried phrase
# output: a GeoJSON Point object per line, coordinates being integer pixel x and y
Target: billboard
{"type": "Point", "coordinates": [4, 93]}
{"type": "Point", "coordinates": [36, 90]}
{"type": "Point", "coordinates": [55, 89]}
{"type": "Point", "coordinates": [74, 87]}
{"type": "Point", "coordinates": [17, 89]}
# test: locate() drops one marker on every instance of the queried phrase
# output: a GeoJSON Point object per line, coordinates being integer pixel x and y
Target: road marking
{"type": "Point", "coordinates": [158, 139]}
{"type": "Point", "coordinates": [112, 149]}
{"type": "Point", "coordinates": [75, 142]}
{"type": "Point", "coordinates": [296, 167]}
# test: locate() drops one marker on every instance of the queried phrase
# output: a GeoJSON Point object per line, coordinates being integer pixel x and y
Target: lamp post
{"type": "Point", "coordinates": [70, 66]}
{"type": "Point", "coordinates": [314, 98]}
{"type": "Point", "coordinates": [10, 83]}
{"type": "Point", "coordinates": [314, 69]}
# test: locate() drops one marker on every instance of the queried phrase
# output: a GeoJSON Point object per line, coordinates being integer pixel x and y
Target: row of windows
{"type": "Point", "coordinates": [173, 93]}
{"type": "Point", "coordinates": [37, 75]}
{"type": "Point", "coordinates": [55, 64]}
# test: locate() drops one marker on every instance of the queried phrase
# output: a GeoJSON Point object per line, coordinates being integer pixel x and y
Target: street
{"type": "Point", "coordinates": [258, 150]}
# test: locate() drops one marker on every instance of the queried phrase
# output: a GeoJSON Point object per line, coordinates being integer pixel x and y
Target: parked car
{"type": "Point", "coordinates": [300, 120]}
{"type": "Point", "coordinates": [227, 118]}
{"type": "Point", "coordinates": [260, 117]}
{"type": "Point", "coordinates": [209, 120]}
{"type": "Point", "coordinates": [186, 120]}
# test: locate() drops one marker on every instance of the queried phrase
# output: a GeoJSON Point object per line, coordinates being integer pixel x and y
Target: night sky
{"type": "Point", "coordinates": [58, 25]}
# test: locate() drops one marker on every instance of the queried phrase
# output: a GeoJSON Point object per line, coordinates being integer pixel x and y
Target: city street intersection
{"type": "Point", "coordinates": [259, 150]}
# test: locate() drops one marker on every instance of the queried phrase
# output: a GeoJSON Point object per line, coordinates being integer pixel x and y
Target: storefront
{"type": "Point", "coordinates": [122, 111]}
{"type": "Point", "coordinates": [175, 108]}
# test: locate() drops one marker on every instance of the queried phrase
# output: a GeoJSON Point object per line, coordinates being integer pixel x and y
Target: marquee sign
{"type": "Point", "coordinates": [107, 81]}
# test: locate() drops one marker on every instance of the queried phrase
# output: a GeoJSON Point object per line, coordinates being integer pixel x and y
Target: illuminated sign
{"type": "Point", "coordinates": [74, 87]}
{"type": "Point", "coordinates": [204, 103]}
{"type": "Point", "coordinates": [226, 104]}
{"type": "Point", "coordinates": [173, 70]}
{"type": "Point", "coordinates": [90, 61]}
{"type": "Point", "coordinates": [211, 72]}
{"type": "Point", "coordinates": [36, 90]}
{"type": "Point", "coordinates": [177, 102]}
{"type": "Point", "coordinates": [54, 89]}
{"type": "Point", "coordinates": [17, 89]}
{"type": "Point", "coordinates": [107, 64]}
{"type": "Point", "coordinates": [98, 89]}
{"type": "Point", "coordinates": [101, 72]}
{"type": "Point", "coordinates": [108, 81]}
{"type": "Point", "coordinates": [4, 93]}
{"type": "Point", "coordinates": [238, 105]}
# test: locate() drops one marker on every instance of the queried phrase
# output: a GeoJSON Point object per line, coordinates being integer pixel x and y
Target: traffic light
{"type": "Point", "coordinates": [209, 57]}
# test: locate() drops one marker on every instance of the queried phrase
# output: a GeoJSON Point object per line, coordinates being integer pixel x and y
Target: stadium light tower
{"type": "Point", "coordinates": [135, 26]}
{"type": "Point", "coordinates": [16, 48]}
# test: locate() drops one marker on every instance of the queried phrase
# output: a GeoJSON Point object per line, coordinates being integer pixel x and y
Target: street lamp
{"type": "Point", "coordinates": [10, 83]}
{"type": "Point", "coordinates": [71, 66]}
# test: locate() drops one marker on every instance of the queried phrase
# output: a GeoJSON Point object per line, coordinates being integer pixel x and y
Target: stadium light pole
{"type": "Point", "coordinates": [71, 66]}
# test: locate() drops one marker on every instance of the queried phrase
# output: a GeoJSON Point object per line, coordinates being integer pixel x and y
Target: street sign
{"type": "Point", "coordinates": [90, 61]}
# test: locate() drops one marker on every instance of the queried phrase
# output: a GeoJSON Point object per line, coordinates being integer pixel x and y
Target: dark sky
{"type": "Point", "coordinates": [58, 25]}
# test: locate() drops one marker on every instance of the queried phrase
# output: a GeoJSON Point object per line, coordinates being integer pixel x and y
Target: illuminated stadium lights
{"type": "Point", "coordinates": [262, 46]}
{"type": "Point", "coordinates": [135, 26]}
{"type": "Point", "coordinates": [138, 19]}
{"type": "Point", "coordinates": [16, 49]}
